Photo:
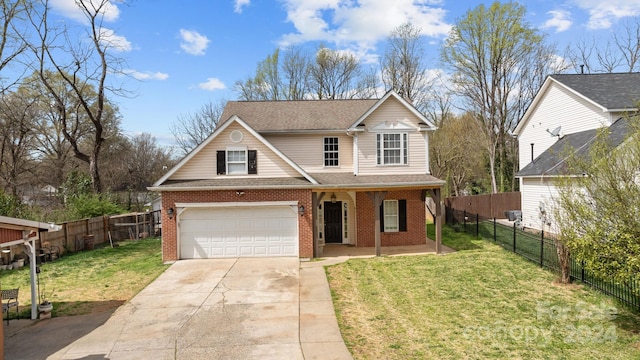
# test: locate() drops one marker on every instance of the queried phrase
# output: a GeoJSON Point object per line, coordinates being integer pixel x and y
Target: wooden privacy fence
{"type": "Point", "coordinates": [488, 205]}
{"type": "Point", "coordinates": [85, 234]}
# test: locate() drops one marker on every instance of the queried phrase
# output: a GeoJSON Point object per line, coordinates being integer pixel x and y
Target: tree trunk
{"type": "Point", "coordinates": [96, 184]}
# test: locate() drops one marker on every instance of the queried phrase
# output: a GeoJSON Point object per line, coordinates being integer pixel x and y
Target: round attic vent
{"type": "Point", "coordinates": [236, 136]}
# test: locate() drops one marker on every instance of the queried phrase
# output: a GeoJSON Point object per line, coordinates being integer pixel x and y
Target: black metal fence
{"type": "Point", "coordinates": [538, 247]}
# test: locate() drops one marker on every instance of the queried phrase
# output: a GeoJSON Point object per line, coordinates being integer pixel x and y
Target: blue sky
{"type": "Point", "coordinates": [184, 54]}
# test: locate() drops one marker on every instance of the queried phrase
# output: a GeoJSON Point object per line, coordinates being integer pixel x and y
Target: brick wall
{"type": "Point", "coordinates": [170, 198]}
{"type": "Point", "coordinates": [416, 230]}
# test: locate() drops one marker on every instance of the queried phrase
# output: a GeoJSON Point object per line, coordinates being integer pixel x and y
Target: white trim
{"type": "Point", "coordinates": [235, 204]}
{"type": "Point", "coordinates": [395, 95]}
{"type": "Point", "coordinates": [356, 162]}
{"type": "Point", "coordinates": [15, 222]}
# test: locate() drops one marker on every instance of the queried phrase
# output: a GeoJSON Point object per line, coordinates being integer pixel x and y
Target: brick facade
{"type": "Point", "coordinates": [170, 198]}
{"type": "Point", "coordinates": [416, 228]}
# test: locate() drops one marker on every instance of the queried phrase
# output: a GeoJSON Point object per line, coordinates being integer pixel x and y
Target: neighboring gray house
{"type": "Point", "coordinates": [565, 114]}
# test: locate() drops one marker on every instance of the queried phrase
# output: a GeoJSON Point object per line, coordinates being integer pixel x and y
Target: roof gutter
{"type": "Point", "coordinates": [310, 186]}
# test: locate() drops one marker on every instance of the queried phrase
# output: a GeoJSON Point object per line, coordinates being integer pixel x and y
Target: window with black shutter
{"type": "Point", "coordinates": [221, 162]}
{"type": "Point", "coordinates": [236, 161]}
{"type": "Point", "coordinates": [395, 215]}
{"type": "Point", "coordinates": [253, 161]}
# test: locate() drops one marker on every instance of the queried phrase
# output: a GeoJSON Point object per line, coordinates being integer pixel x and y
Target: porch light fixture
{"type": "Point", "coordinates": [301, 210]}
{"type": "Point", "coordinates": [333, 198]}
{"type": "Point", "coordinates": [170, 213]}
{"type": "Point", "coordinates": [239, 192]}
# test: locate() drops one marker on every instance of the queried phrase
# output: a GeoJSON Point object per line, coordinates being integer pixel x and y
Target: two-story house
{"type": "Point", "coordinates": [564, 117]}
{"type": "Point", "coordinates": [283, 178]}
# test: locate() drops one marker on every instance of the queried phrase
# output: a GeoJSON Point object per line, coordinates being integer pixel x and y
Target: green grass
{"type": "Point", "coordinates": [91, 281]}
{"type": "Point", "coordinates": [480, 302]}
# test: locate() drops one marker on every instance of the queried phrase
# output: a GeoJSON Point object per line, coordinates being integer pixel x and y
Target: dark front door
{"type": "Point", "coordinates": [333, 222]}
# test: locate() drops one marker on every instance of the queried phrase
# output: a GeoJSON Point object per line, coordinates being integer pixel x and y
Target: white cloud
{"type": "Point", "coordinates": [193, 42]}
{"type": "Point", "coordinates": [560, 20]}
{"type": "Point", "coordinates": [109, 39]}
{"type": "Point", "coordinates": [602, 14]}
{"type": "Point", "coordinates": [241, 4]}
{"type": "Point", "coordinates": [147, 75]}
{"type": "Point", "coordinates": [70, 9]}
{"type": "Point", "coordinates": [359, 25]}
{"type": "Point", "coordinates": [212, 84]}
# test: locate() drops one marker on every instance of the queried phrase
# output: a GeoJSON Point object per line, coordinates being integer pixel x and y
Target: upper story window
{"type": "Point", "coordinates": [331, 151]}
{"type": "Point", "coordinates": [237, 161]}
{"type": "Point", "coordinates": [392, 149]}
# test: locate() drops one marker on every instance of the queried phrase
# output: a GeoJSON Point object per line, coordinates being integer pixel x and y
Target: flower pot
{"type": "Point", "coordinates": [45, 308]}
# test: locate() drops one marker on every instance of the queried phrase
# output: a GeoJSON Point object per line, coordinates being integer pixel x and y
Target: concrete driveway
{"type": "Point", "coordinates": [246, 308]}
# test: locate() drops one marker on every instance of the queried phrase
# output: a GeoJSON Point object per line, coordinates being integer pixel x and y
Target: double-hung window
{"type": "Point", "coordinates": [331, 157]}
{"type": "Point", "coordinates": [390, 211]}
{"type": "Point", "coordinates": [393, 216]}
{"type": "Point", "coordinates": [392, 149]}
{"type": "Point", "coordinates": [236, 162]}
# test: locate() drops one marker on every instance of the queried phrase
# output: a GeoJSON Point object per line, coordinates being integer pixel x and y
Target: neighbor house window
{"type": "Point", "coordinates": [392, 149]}
{"type": "Point", "coordinates": [393, 216]}
{"type": "Point", "coordinates": [331, 151]}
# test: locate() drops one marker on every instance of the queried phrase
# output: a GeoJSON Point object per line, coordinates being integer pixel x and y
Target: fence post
{"type": "Point", "coordinates": [542, 249]}
{"type": "Point", "coordinates": [464, 218]}
{"type": "Point", "coordinates": [582, 266]}
{"type": "Point", "coordinates": [514, 237]}
{"type": "Point", "coordinates": [495, 237]}
{"type": "Point", "coordinates": [477, 226]}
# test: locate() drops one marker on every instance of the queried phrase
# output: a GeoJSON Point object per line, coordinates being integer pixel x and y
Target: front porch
{"type": "Point", "coordinates": [338, 250]}
{"type": "Point", "coordinates": [358, 221]}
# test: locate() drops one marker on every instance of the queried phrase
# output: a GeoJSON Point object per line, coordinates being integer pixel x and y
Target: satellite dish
{"type": "Point", "coordinates": [555, 132]}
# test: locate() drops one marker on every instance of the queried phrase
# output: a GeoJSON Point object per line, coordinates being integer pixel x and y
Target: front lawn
{"type": "Point", "coordinates": [480, 302]}
{"type": "Point", "coordinates": [91, 281]}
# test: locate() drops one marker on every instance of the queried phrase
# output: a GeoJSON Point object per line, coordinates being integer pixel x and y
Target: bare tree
{"type": "Point", "coordinates": [333, 74]}
{"type": "Point", "coordinates": [85, 68]}
{"type": "Point", "coordinates": [402, 65]}
{"type": "Point", "coordinates": [456, 153]}
{"type": "Point", "coordinates": [192, 129]}
{"type": "Point", "coordinates": [628, 44]}
{"type": "Point", "coordinates": [12, 37]}
{"type": "Point", "coordinates": [620, 52]}
{"type": "Point", "coordinates": [17, 114]}
{"type": "Point", "coordinates": [296, 67]}
{"type": "Point", "coordinates": [488, 49]}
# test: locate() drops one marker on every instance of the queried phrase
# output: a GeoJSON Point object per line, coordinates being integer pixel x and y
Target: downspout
{"type": "Point", "coordinates": [355, 152]}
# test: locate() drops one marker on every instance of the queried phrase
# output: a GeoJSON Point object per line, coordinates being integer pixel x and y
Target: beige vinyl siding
{"type": "Point", "coordinates": [307, 150]}
{"type": "Point", "coordinates": [535, 191]}
{"type": "Point", "coordinates": [203, 164]}
{"type": "Point", "coordinates": [392, 111]}
{"type": "Point", "coordinates": [558, 107]}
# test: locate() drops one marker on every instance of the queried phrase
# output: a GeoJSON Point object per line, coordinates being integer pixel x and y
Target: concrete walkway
{"type": "Point", "coordinates": [247, 308]}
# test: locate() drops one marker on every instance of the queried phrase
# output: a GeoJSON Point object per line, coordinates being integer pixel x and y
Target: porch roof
{"type": "Point", "coordinates": [330, 181]}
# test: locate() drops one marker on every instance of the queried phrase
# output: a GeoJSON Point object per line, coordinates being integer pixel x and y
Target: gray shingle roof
{"type": "Point", "coordinates": [552, 162]}
{"type": "Point", "coordinates": [614, 91]}
{"type": "Point", "coordinates": [298, 115]}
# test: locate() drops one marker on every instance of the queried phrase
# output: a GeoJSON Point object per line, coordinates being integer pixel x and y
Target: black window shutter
{"type": "Point", "coordinates": [221, 162]}
{"type": "Point", "coordinates": [382, 217]}
{"type": "Point", "coordinates": [402, 215]}
{"type": "Point", "coordinates": [252, 166]}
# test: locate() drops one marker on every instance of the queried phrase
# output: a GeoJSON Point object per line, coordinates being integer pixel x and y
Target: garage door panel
{"type": "Point", "coordinates": [238, 231]}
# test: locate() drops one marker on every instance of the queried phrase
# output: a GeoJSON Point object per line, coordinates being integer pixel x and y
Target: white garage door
{"type": "Point", "coordinates": [238, 231]}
